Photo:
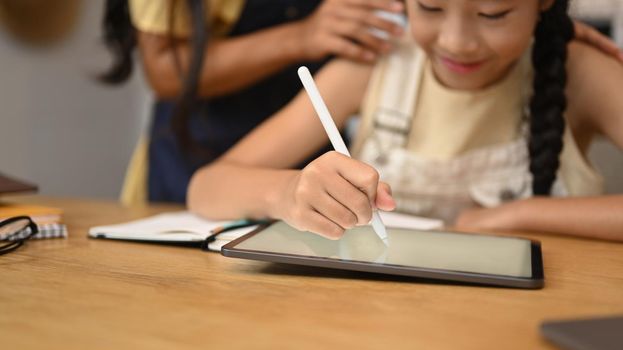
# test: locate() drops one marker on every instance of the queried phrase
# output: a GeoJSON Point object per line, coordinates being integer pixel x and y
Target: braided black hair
{"type": "Point", "coordinates": [552, 35]}
{"type": "Point", "coordinates": [121, 39]}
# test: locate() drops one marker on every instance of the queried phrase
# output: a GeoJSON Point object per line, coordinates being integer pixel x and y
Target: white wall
{"type": "Point", "coordinates": [59, 127]}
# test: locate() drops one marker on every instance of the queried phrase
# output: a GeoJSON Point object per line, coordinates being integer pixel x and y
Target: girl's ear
{"type": "Point", "coordinates": [546, 4]}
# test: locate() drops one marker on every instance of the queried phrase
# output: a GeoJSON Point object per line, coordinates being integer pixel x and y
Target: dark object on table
{"type": "Point", "coordinates": [604, 333]}
{"type": "Point", "coordinates": [11, 185]}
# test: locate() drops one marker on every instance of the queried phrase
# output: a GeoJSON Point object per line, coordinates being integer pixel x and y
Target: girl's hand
{"type": "Point", "coordinates": [502, 217]}
{"type": "Point", "coordinates": [333, 193]}
{"type": "Point", "coordinates": [594, 38]}
{"type": "Point", "coordinates": [341, 27]}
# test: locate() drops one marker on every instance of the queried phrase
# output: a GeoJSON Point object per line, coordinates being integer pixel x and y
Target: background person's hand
{"type": "Point", "coordinates": [594, 38]}
{"type": "Point", "coordinates": [342, 27]}
{"type": "Point", "coordinates": [333, 193]}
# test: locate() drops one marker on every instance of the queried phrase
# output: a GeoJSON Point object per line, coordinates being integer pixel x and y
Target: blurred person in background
{"type": "Point", "coordinates": [219, 68]}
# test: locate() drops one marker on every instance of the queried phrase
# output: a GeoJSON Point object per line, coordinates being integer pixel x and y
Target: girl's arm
{"type": "Point", "coordinates": [249, 180]}
{"type": "Point", "coordinates": [594, 217]}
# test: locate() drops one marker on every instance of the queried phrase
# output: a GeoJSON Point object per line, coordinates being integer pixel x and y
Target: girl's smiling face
{"type": "Point", "coordinates": [473, 43]}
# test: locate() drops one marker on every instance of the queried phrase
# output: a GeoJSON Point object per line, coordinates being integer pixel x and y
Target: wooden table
{"type": "Point", "coordinates": [80, 293]}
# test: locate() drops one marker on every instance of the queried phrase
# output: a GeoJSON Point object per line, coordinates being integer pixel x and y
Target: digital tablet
{"type": "Point", "coordinates": [443, 255]}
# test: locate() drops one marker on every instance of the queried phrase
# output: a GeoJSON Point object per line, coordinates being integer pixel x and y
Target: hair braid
{"type": "Point", "coordinates": [548, 103]}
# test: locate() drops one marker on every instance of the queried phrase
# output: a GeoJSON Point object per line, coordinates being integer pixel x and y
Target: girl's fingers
{"type": "Point", "coordinates": [384, 199]}
{"type": "Point", "coordinates": [361, 175]}
{"type": "Point", "coordinates": [352, 198]}
{"type": "Point", "coordinates": [335, 211]}
{"type": "Point", "coordinates": [321, 225]}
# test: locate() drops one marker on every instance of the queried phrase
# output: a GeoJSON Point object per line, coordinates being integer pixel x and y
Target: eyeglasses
{"type": "Point", "coordinates": [15, 231]}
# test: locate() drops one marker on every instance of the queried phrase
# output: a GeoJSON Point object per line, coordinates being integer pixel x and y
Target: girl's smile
{"type": "Point", "coordinates": [460, 66]}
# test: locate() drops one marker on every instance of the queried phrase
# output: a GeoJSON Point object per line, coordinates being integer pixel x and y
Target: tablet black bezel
{"type": "Point", "coordinates": [536, 281]}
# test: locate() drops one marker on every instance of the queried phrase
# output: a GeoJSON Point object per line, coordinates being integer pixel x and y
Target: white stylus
{"type": "Point", "coordinates": [334, 135]}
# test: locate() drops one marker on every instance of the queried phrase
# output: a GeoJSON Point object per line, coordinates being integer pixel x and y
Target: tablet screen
{"type": "Point", "coordinates": [493, 255]}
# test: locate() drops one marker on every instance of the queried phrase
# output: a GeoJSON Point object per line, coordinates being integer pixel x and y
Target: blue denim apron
{"type": "Point", "coordinates": [218, 123]}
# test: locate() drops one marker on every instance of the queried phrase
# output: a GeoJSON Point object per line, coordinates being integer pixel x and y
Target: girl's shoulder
{"type": "Point", "coordinates": [594, 83]}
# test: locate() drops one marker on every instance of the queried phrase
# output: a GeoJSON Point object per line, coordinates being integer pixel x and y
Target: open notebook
{"type": "Point", "coordinates": [180, 227]}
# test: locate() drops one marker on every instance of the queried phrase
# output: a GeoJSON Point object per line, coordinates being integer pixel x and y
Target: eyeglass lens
{"type": "Point", "coordinates": [13, 227]}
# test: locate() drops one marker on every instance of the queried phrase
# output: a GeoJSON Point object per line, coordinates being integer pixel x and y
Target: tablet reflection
{"type": "Point", "coordinates": [362, 244]}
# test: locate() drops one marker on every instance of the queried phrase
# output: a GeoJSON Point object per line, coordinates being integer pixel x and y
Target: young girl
{"type": "Point", "coordinates": [492, 107]}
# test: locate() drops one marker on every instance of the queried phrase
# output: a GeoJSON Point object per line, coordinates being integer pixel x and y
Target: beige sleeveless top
{"type": "Point", "coordinates": [445, 150]}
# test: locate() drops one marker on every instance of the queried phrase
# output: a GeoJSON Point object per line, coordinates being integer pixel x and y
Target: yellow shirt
{"type": "Point", "coordinates": [157, 16]}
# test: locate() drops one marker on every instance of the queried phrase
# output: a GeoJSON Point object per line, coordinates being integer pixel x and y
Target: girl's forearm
{"type": "Point", "coordinates": [595, 217]}
{"type": "Point", "coordinates": [226, 191]}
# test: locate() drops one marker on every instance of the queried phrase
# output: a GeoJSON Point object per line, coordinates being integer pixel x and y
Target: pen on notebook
{"type": "Point", "coordinates": [232, 225]}
{"type": "Point", "coordinates": [334, 135]}
{"type": "Point", "coordinates": [235, 225]}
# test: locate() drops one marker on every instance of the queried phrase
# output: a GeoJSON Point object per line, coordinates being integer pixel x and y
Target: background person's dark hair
{"type": "Point", "coordinates": [552, 35]}
{"type": "Point", "coordinates": [187, 100]}
{"type": "Point", "coordinates": [121, 39]}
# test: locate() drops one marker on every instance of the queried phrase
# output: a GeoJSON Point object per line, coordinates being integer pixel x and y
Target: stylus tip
{"type": "Point", "coordinates": [379, 227]}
